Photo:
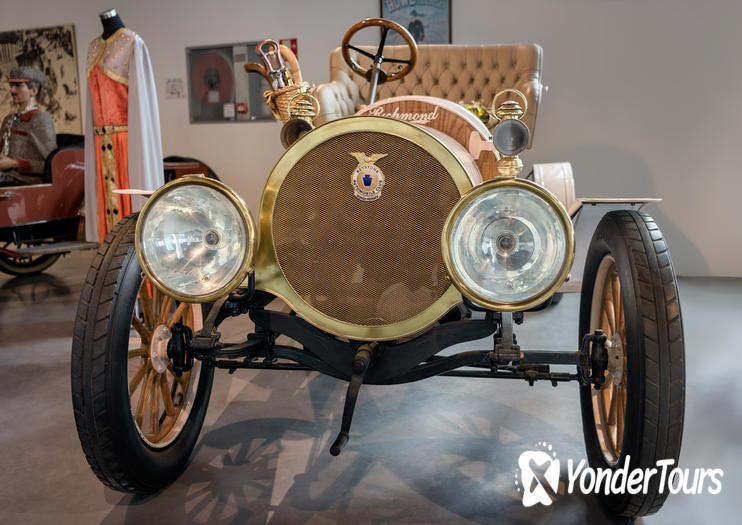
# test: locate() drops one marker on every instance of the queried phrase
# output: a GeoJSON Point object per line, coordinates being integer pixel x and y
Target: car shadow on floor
{"type": "Point", "coordinates": [22, 295]}
{"type": "Point", "coordinates": [417, 454]}
{"type": "Point", "coordinates": [29, 290]}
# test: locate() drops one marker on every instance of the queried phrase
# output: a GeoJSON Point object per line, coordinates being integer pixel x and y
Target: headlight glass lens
{"type": "Point", "coordinates": [507, 245]}
{"type": "Point", "coordinates": [194, 240]}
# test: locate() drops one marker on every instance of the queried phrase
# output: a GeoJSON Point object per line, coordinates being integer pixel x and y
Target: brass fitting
{"type": "Point", "coordinates": [510, 165]}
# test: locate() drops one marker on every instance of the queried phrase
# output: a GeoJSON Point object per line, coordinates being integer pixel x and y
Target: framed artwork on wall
{"type": "Point", "coordinates": [52, 51]}
{"type": "Point", "coordinates": [429, 21]}
{"type": "Point", "coordinates": [219, 89]}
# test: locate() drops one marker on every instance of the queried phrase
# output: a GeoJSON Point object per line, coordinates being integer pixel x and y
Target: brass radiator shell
{"type": "Point", "coordinates": [365, 270]}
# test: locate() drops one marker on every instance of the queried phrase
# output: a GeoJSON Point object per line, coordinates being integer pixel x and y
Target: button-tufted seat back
{"type": "Point", "coordinates": [454, 72]}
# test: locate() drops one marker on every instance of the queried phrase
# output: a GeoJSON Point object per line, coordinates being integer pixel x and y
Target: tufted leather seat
{"type": "Point", "coordinates": [454, 72]}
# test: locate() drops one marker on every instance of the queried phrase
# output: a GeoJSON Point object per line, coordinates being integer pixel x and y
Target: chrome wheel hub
{"type": "Point", "coordinates": [158, 348]}
{"type": "Point", "coordinates": [614, 345]}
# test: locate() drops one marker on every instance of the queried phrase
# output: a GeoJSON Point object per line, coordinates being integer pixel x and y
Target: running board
{"type": "Point", "coordinates": [57, 247]}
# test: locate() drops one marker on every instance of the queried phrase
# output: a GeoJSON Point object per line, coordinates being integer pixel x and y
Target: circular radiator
{"type": "Point", "coordinates": [368, 264]}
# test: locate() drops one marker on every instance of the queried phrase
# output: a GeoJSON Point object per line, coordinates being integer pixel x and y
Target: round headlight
{"type": "Point", "coordinates": [508, 244]}
{"type": "Point", "coordinates": [195, 239]}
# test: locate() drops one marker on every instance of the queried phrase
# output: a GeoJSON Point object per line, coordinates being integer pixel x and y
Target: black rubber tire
{"type": "Point", "coordinates": [33, 265]}
{"type": "Point", "coordinates": [655, 396]}
{"type": "Point", "coordinates": [100, 396]}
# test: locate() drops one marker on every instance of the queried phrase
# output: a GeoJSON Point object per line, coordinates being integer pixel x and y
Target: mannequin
{"type": "Point", "coordinates": [122, 133]}
{"type": "Point", "coordinates": [111, 23]}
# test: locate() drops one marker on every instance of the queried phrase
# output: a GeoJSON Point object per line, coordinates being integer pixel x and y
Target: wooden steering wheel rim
{"type": "Point", "coordinates": [380, 22]}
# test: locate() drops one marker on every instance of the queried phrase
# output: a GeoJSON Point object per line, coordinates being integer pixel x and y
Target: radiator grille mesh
{"type": "Point", "coordinates": [364, 263]}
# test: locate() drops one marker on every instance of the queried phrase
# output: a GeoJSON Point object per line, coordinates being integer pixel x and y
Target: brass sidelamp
{"type": "Point", "coordinates": [511, 135]}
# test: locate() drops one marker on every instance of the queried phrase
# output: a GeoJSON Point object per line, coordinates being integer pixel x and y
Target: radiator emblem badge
{"type": "Point", "coordinates": [367, 179]}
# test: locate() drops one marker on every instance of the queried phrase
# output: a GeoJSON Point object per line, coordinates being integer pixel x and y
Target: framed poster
{"type": "Point", "coordinates": [52, 51]}
{"type": "Point", "coordinates": [219, 88]}
{"type": "Point", "coordinates": [428, 21]}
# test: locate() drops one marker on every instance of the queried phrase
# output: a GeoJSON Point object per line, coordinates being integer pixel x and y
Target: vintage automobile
{"type": "Point", "coordinates": [41, 222]}
{"type": "Point", "coordinates": [388, 241]}
{"type": "Point", "coordinates": [37, 216]}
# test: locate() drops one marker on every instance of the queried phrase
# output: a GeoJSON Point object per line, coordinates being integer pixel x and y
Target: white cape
{"type": "Point", "coordinates": [145, 143]}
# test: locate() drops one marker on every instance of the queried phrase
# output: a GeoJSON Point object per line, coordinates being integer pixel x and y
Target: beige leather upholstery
{"type": "Point", "coordinates": [457, 73]}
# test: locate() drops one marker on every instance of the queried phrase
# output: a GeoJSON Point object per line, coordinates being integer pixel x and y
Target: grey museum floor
{"type": "Point", "coordinates": [442, 450]}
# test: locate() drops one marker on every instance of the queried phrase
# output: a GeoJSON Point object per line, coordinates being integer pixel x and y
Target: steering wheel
{"type": "Point", "coordinates": [375, 74]}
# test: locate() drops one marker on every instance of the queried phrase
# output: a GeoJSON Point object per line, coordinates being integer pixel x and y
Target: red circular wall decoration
{"type": "Point", "coordinates": [212, 73]}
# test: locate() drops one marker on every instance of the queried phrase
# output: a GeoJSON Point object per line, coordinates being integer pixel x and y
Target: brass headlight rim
{"type": "Point", "coordinates": [247, 264]}
{"type": "Point", "coordinates": [550, 199]}
{"type": "Point", "coordinates": [269, 275]}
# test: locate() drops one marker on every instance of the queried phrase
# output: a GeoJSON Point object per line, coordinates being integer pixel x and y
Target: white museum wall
{"type": "Point", "coordinates": [643, 96]}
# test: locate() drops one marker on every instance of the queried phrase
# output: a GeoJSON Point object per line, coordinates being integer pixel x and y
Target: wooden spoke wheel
{"type": "Point", "coordinates": [137, 420]}
{"type": "Point", "coordinates": [161, 400]}
{"type": "Point", "coordinates": [609, 403]}
{"type": "Point", "coordinates": [629, 291]}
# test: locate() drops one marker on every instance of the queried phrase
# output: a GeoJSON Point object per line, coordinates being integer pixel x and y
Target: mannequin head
{"type": "Point", "coordinates": [111, 22]}
{"type": "Point", "coordinates": [25, 84]}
